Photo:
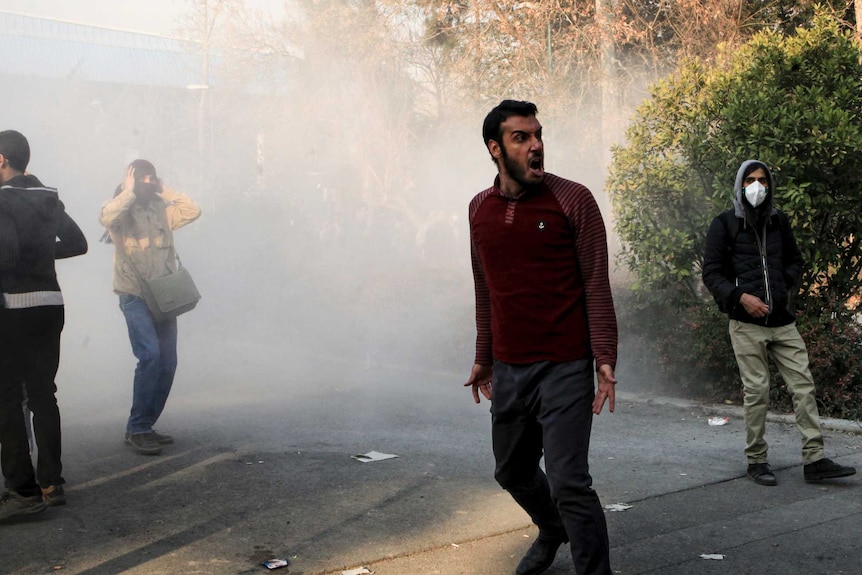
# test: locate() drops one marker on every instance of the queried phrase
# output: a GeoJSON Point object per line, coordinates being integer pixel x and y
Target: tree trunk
{"type": "Point", "coordinates": [608, 80]}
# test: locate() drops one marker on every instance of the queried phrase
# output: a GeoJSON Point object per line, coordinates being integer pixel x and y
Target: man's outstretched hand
{"type": "Point", "coordinates": [480, 380]}
{"type": "Point", "coordinates": [605, 392]}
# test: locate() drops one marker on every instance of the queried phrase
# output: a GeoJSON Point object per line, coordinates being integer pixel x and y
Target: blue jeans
{"type": "Point", "coordinates": [155, 346]}
{"type": "Point", "coordinates": [545, 408]}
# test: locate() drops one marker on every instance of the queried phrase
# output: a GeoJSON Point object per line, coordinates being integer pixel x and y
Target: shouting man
{"type": "Point", "coordinates": [546, 327]}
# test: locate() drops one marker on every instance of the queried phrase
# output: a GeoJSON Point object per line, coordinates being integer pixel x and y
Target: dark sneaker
{"type": "Point", "coordinates": [540, 556]}
{"type": "Point", "coordinates": [53, 495]}
{"type": "Point", "coordinates": [143, 443]}
{"type": "Point", "coordinates": [161, 438]}
{"type": "Point", "coordinates": [761, 474]}
{"type": "Point", "coordinates": [12, 504]}
{"type": "Point", "coordinates": [826, 469]}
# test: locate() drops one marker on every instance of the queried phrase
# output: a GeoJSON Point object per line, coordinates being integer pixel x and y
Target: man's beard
{"type": "Point", "coordinates": [516, 172]}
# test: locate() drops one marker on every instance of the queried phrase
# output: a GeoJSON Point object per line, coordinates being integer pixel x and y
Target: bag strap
{"type": "Point", "coordinates": [128, 260]}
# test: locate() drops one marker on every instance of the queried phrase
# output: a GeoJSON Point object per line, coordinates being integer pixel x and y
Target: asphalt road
{"type": "Point", "coordinates": [262, 469]}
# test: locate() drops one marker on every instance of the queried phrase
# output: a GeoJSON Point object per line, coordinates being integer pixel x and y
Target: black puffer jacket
{"type": "Point", "coordinates": [764, 259]}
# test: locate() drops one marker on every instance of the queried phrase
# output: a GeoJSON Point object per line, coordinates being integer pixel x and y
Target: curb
{"type": "Point", "coordinates": [842, 425]}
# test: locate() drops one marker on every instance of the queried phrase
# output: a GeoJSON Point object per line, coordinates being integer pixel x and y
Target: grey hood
{"type": "Point", "coordinates": [739, 206]}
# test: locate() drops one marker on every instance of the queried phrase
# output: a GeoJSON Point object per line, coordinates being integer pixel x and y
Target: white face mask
{"type": "Point", "coordinates": [755, 193]}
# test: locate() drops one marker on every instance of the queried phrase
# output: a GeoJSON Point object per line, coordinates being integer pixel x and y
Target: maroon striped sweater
{"type": "Point", "coordinates": [540, 266]}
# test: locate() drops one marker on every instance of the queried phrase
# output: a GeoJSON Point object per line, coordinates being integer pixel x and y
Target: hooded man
{"type": "Point", "coordinates": [34, 231]}
{"type": "Point", "coordinates": [752, 267]}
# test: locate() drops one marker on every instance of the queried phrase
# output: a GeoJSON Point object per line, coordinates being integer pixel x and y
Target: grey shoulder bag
{"type": "Point", "coordinates": [170, 295]}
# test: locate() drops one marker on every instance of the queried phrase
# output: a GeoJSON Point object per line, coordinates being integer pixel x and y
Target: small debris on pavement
{"type": "Point", "coordinates": [373, 456]}
{"type": "Point", "coordinates": [357, 571]}
{"type": "Point", "coordinates": [718, 420]}
{"type": "Point", "coordinates": [276, 563]}
{"type": "Point", "coordinates": [713, 556]}
{"type": "Point", "coordinates": [618, 506]}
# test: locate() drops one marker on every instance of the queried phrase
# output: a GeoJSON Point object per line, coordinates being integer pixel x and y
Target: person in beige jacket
{"type": "Point", "coordinates": [140, 220]}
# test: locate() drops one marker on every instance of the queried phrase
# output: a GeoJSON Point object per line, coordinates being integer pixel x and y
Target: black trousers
{"type": "Point", "coordinates": [546, 408]}
{"type": "Point", "coordinates": [29, 358]}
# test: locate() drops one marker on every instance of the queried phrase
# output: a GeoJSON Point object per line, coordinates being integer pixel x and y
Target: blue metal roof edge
{"type": "Point", "coordinates": [44, 47]}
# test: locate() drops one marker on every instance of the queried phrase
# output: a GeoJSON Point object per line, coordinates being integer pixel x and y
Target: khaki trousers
{"type": "Point", "coordinates": [753, 345]}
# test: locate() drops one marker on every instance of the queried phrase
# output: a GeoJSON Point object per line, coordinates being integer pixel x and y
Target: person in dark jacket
{"type": "Point", "coordinates": [752, 267]}
{"type": "Point", "coordinates": [35, 231]}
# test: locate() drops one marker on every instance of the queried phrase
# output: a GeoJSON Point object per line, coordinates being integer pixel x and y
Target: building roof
{"type": "Point", "coordinates": [34, 46]}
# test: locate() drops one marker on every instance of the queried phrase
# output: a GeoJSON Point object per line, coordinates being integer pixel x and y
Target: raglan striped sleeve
{"type": "Point", "coordinates": [484, 355]}
{"type": "Point", "coordinates": [591, 247]}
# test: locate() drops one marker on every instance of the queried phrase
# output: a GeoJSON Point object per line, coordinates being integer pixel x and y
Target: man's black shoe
{"type": "Point", "coordinates": [761, 474]}
{"type": "Point", "coordinates": [540, 556]}
{"type": "Point", "coordinates": [826, 469]}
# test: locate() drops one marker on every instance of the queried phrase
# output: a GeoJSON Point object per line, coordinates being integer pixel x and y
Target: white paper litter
{"type": "Point", "coordinates": [357, 571]}
{"type": "Point", "coordinates": [618, 506]}
{"type": "Point", "coordinates": [373, 456]}
{"type": "Point", "coordinates": [718, 420]}
{"type": "Point", "coordinates": [714, 556]}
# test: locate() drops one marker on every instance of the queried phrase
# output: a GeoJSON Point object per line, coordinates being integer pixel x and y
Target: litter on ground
{"type": "Point", "coordinates": [373, 456]}
{"type": "Point", "coordinates": [276, 563]}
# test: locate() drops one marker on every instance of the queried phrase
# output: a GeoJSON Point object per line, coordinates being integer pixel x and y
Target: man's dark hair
{"type": "Point", "coordinates": [753, 166]}
{"type": "Point", "coordinates": [502, 112]}
{"type": "Point", "coordinates": [15, 148]}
